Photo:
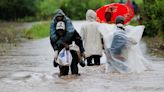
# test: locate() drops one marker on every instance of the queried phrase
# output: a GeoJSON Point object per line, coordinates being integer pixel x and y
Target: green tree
{"type": "Point", "coordinates": [13, 9]}
{"type": "Point", "coordinates": [76, 9]}
{"type": "Point", "coordinates": [152, 12]}
{"type": "Point", "coordinates": [47, 8]}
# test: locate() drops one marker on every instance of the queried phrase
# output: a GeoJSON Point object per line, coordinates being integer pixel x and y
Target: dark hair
{"type": "Point", "coordinates": [120, 19]}
{"type": "Point", "coordinates": [121, 22]}
{"type": "Point", "coordinates": [108, 16]}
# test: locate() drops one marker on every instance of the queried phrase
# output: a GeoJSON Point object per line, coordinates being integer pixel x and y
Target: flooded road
{"type": "Point", "coordinates": [28, 68]}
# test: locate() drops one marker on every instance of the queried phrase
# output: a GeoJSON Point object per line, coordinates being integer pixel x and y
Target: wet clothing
{"type": "Point", "coordinates": [68, 37]}
{"type": "Point", "coordinates": [64, 70]}
{"type": "Point", "coordinates": [68, 40]}
{"type": "Point", "coordinates": [96, 59]}
{"type": "Point", "coordinates": [91, 35]}
{"type": "Point", "coordinates": [69, 28]}
{"type": "Point", "coordinates": [117, 54]}
{"type": "Point", "coordinates": [119, 42]}
{"type": "Point", "coordinates": [122, 49]}
{"type": "Point", "coordinates": [77, 39]}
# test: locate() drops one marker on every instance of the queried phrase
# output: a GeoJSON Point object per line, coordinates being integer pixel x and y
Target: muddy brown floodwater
{"type": "Point", "coordinates": [28, 68]}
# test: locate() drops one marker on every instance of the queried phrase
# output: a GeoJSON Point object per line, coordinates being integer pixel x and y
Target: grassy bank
{"type": "Point", "coordinates": [37, 31]}
{"type": "Point", "coordinates": [9, 36]}
{"type": "Point", "coordinates": [155, 45]}
{"type": "Point", "coordinates": [12, 33]}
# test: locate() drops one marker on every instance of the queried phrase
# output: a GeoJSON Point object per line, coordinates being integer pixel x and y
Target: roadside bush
{"type": "Point", "coordinates": [37, 31]}
{"type": "Point", "coordinates": [152, 13]}
{"type": "Point", "coordinates": [13, 9]}
{"type": "Point", "coordinates": [76, 9]}
{"type": "Point", "coordinates": [9, 35]}
{"type": "Point", "coordinates": [46, 8]}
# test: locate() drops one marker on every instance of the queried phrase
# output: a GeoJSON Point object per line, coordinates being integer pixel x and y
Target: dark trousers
{"type": "Point", "coordinates": [64, 70]}
{"type": "Point", "coordinates": [96, 59]}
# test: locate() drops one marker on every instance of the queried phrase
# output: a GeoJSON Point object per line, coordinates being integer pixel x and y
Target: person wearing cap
{"type": "Point", "coordinates": [60, 16]}
{"type": "Point", "coordinates": [122, 48]}
{"type": "Point", "coordinates": [117, 54]}
{"type": "Point", "coordinates": [62, 34]}
{"type": "Point", "coordinates": [92, 39]}
{"type": "Point", "coordinates": [119, 39]}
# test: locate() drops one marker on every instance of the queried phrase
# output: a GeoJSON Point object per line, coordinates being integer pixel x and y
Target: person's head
{"type": "Point", "coordinates": [91, 15]}
{"type": "Point", "coordinates": [59, 15]}
{"type": "Point", "coordinates": [108, 16]}
{"type": "Point", "coordinates": [60, 28]}
{"type": "Point", "coordinates": [119, 20]}
{"type": "Point", "coordinates": [59, 18]}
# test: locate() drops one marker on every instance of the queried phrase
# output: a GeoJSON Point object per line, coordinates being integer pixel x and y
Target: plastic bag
{"type": "Point", "coordinates": [64, 58]}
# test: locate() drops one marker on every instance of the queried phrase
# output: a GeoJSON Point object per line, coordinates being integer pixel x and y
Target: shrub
{"type": "Point", "coordinates": [46, 8]}
{"type": "Point", "coordinates": [77, 9]}
{"type": "Point", "coordinates": [152, 12]}
{"type": "Point", "coordinates": [13, 9]}
{"type": "Point", "coordinates": [9, 35]}
{"type": "Point", "coordinates": [37, 31]}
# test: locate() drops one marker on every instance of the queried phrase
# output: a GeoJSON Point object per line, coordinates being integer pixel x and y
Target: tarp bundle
{"type": "Point", "coordinates": [122, 48]}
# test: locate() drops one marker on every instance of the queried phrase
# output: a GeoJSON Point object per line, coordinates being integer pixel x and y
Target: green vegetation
{"type": "Point", "coordinates": [9, 35]}
{"type": "Point", "coordinates": [32, 10]}
{"type": "Point", "coordinates": [77, 9]}
{"type": "Point", "coordinates": [46, 8]}
{"type": "Point", "coordinates": [151, 14]}
{"type": "Point", "coordinates": [13, 9]}
{"type": "Point", "coordinates": [139, 1]}
{"type": "Point", "coordinates": [155, 45]}
{"type": "Point", "coordinates": [37, 31]}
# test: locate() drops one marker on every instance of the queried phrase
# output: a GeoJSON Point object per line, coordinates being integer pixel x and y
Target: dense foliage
{"type": "Point", "coordinates": [77, 9]}
{"type": "Point", "coordinates": [43, 9]}
{"type": "Point", "coordinates": [13, 9]}
{"type": "Point", "coordinates": [152, 15]}
{"type": "Point", "coordinates": [46, 8]}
